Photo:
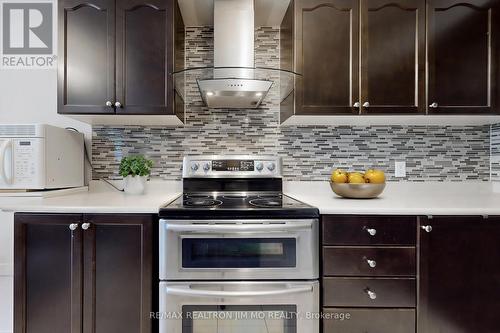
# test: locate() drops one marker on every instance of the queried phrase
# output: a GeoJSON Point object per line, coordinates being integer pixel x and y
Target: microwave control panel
{"type": "Point", "coordinates": [28, 163]}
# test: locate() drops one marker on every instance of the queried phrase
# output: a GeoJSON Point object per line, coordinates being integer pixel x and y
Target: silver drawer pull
{"type": "Point", "coordinates": [85, 226]}
{"type": "Point", "coordinates": [73, 226]}
{"type": "Point", "coordinates": [371, 231]}
{"type": "Point", "coordinates": [371, 263]}
{"type": "Point", "coordinates": [371, 294]}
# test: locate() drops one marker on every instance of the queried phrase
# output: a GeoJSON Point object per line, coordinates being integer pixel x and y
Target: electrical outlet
{"type": "Point", "coordinates": [400, 169]}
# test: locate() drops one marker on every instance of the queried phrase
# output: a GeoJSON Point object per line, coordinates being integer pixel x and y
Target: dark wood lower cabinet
{"type": "Point", "coordinates": [460, 275]}
{"type": "Point", "coordinates": [97, 278]}
{"type": "Point", "coordinates": [47, 274]}
{"type": "Point", "coordinates": [352, 320]}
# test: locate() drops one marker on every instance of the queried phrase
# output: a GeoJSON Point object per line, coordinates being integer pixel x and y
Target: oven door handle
{"type": "Point", "coordinates": [238, 228]}
{"type": "Point", "coordinates": [188, 291]}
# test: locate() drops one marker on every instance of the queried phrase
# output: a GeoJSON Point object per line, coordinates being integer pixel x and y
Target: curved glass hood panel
{"type": "Point", "coordinates": [233, 87]}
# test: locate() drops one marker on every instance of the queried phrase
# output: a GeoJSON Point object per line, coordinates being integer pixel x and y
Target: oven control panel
{"type": "Point", "coordinates": [232, 166]}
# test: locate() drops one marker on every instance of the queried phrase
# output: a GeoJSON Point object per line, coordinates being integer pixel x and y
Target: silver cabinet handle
{"type": "Point", "coordinates": [356, 105]}
{"type": "Point", "coordinates": [426, 228]}
{"type": "Point", "coordinates": [366, 104]}
{"type": "Point", "coordinates": [371, 294]}
{"type": "Point", "coordinates": [73, 226]}
{"type": "Point", "coordinates": [189, 291]}
{"type": "Point", "coordinates": [118, 105]}
{"type": "Point", "coordinates": [434, 105]}
{"type": "Point", "coordinates": [109, 104]}
{"type": "Point", "coordinates": [371, 231]}
{"type": "Point", "coordinates": [238, 228]}
{"type": "Point", "coordinates": [371, 263]}
{"type": "Point", "coordinates": [85, 226]}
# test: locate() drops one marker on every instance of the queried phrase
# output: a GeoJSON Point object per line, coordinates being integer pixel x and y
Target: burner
{"type": "Point", "coordinates": [267, 202]}
{"type": "Point", "coordinates": [202, 202]}
{"type": "Point", "coordinates": [196, 196]}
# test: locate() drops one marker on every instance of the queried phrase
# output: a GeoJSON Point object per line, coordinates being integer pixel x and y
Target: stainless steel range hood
{"type": "Point", "coordinates": [234, 81]}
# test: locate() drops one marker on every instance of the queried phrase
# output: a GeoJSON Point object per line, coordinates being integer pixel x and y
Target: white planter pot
{"type": "Point", "coordinates": [135, 184]}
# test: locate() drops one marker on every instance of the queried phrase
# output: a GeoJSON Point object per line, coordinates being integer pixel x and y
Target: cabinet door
{"type": "Point", "coordinates": [462, 56]}
{"type": "Point", "coordinates": [392, 56]}
{"type": "Point", "coordinates": [47, 274]}
{"type": "Point", "coordinates": [86, 56]}
{"type": "Point", "coordinates": [460, 275]}
{"type": "Point", "coordinates": [144, 36]}
{"type": "Point", "coordinates": [117, 273]}
{"type": "Point", "coordinates": [327, 55]}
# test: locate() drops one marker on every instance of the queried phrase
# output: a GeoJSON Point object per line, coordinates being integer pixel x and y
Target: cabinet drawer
{"type": "Point", "coordinates": [369, 292]}
{"type": "Point", "coordinates": [369, 230]}
{"type": "Point", "coordinates": [347, 320]}
{"type": "Point", "coordinates": [369, 261]}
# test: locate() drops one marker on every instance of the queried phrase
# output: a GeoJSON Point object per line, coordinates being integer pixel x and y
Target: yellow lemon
{"type": "Point", "coordinates": [375, 177]}
{"type": "Point", "coordinates": [339, 176]}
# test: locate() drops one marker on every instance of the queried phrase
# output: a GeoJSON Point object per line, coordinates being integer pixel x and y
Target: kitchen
{"type": "Point", "coordinates": [242, 111]}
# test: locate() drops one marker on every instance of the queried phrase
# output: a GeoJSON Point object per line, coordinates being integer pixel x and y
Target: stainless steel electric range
{"type": "Point", "coordinates": [236, 254]}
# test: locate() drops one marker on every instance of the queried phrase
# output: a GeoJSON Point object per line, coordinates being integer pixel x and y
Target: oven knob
{"type": "Point", "coordinates": [271, 166]}
{"type": "Point", "coordinates": [259, 166]}
{"type": "Point", "coordinates": [206, 167]}
{"type": "Point", "coordinates": [194, 166]}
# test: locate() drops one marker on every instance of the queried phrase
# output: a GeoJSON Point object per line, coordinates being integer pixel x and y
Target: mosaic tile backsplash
{"type": "Point", "coordinates": [495, 152]}
{"type": "Point", "coordinates": [309, 152]}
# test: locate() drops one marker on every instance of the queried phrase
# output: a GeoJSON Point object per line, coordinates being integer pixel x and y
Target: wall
{"type": "Point", "coordinates": [431, 152]}
{"type": "Point", "coordinates": [30, 96]}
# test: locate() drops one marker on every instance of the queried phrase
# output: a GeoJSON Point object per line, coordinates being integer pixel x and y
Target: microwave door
{"type": "Point", "coordinates": [6, 161]}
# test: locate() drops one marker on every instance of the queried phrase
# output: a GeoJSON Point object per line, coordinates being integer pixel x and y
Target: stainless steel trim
{"type": "Point", "coordinates": [239, 228]}
{"type": "Point", "coordinates": [188, 291]}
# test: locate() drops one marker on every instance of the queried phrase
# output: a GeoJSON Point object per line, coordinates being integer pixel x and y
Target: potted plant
{"type": "Point", "coordinates": [135, 171]}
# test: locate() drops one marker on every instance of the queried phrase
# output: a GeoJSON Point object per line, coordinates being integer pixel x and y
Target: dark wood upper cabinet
{"type": "Point", "coordinates": [459, 275]}
{"type": "Point", "coordinates": [463, 56]}
{"type": "Point", "coordinates": [144, 57]}
{"type": "Point", "coordinates": [86, 56]}
{"type": "Point", "coordinates": [83, 273]}
{"type": "Point", "coordinates": [118, 56]}
{"type": "Point", "coordinates": [392, 56]}
{"type": "Point", "coordinates": [47, 274]}
{"type": "Point", "coordinates": [326, 54]}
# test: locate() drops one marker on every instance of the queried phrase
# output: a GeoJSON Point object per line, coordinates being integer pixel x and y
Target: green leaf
{"type": "Point", "coordinates": [136, 165]}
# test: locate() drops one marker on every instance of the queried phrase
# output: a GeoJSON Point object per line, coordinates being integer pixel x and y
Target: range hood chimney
{"type": "Point", "coordinates": [233, 85]}
{"type": "Point", "coordinates": [234, 81]}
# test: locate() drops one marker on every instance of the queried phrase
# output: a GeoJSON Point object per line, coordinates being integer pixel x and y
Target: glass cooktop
{"type": "Point", "coordinates": [238, 204]}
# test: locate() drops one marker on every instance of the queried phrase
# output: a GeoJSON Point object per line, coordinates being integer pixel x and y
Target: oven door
{"type": "Point", "coordinates": [238, 250]}
{"type": "Point", "coordinates": [239, 307]}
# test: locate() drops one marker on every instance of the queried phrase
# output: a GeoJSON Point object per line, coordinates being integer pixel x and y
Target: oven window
{"type": "Point", "coordinates": [238, 252]}
{"type": "Point", "coordinates": [239, 319]}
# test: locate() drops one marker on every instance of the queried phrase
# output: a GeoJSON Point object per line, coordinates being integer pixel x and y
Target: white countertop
{"type": "Point", "coordinates": [405, 198]}
{"type": "Point", "coordinates": [401, 198]}
{"type": "Point", "coordinates": [101, 198]}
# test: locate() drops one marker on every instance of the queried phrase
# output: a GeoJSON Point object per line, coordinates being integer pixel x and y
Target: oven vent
{"type": "Point", "coordinates": [17, 130]}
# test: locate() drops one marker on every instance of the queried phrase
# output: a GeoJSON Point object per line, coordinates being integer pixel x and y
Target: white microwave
{"type": "Point", "coordinates": [38, 157]}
